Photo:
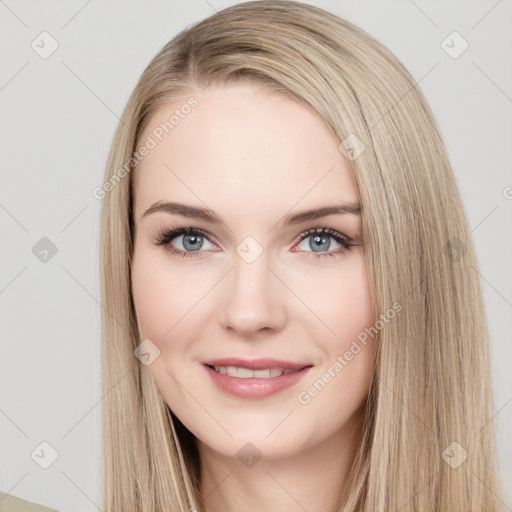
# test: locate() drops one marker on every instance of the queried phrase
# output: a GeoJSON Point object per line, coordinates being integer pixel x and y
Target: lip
{"type": "Point", "coordinates": [257, 364]}
{"type": "Point", "coordinates": [254, 388]}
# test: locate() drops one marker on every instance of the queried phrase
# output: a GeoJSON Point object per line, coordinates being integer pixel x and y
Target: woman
{"type": "Point", "coordinates": [259, 352]}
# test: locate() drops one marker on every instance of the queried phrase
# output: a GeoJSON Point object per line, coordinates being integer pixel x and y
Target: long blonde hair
{"type": "Point", "coordinates": [430, 401]}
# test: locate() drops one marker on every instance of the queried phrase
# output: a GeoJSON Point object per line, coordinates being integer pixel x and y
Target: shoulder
{"type": "Point", "coordinates": [9, 503]}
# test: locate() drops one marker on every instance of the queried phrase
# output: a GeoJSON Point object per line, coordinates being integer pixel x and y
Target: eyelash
{"type": "Point", "coordinates": [165, 238]}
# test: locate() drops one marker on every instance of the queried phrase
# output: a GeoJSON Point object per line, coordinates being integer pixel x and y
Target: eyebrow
{"type": "Point", "coordinates": [290, 219]}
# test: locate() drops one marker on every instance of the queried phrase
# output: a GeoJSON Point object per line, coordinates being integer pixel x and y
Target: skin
{"type": "Point", "coordinates": [253, 157]}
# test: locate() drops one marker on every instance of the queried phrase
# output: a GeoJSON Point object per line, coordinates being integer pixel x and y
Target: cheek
{"type": "Point", "coordinates": [159, 295]}
{"type": "Point", "coordinates": [341, 301]}
{"type": "Point", "coordinates": [351, 310]}
{"type": "Point", "coordinates": [343, 304]}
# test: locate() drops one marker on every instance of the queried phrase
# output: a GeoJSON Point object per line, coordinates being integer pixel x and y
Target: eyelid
{"type": "Point", "coordinates": [323, 231]}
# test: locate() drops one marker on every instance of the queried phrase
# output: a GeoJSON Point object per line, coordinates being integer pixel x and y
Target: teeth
{"type": "Point", "coordinates": [232, 371]}
{"type": "Point", "coordinates": [245, 373]}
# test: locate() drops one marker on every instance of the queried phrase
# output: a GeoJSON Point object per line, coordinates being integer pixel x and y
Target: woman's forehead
{"type": "Point", "coordinates": [241, 144]}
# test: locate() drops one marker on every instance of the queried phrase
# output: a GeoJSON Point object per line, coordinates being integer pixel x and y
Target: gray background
{"type": "Point", "coordinates": [58, 119]}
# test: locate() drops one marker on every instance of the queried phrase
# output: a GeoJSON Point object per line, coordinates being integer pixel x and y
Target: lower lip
{"type": "Point", "coordinates": [252, 388]}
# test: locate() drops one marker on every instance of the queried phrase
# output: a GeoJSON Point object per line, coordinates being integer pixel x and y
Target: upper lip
{"type": "Point", "coordinates": [257, 364]}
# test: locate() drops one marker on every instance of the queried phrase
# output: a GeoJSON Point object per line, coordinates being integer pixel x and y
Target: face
{"type": "Point", "coordinates": [251, 279]}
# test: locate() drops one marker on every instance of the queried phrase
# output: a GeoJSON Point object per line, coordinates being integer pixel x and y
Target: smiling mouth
{"type": "Point", "coordinates": [266, 379]}
{"type": "Point", "coordinates": [246, 373]}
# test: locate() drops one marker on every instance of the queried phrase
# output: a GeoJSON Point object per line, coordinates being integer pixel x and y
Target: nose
{"type": "Point", "coordinates": [254, 298]}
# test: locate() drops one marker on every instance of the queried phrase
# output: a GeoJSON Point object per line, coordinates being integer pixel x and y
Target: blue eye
{"type": "Point", "coordinates": [193, 240]}
{"type": "Point", "coordinates": [319, 240]}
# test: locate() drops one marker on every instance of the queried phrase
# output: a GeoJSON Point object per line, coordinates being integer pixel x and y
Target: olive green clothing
{"type": "Point", "coordinates": [9, 503]}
